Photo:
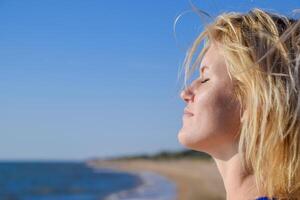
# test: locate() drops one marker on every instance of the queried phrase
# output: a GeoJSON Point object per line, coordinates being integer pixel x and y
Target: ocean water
{"type": "Point", "coordinates": [77, 181]}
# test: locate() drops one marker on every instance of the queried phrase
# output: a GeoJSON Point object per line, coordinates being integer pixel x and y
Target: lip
{"type": "Point", "coordinates": [186, 112]}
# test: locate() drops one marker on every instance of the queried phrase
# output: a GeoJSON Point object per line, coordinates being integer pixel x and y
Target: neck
{"type": "Point", "coordinates": [238, 183]}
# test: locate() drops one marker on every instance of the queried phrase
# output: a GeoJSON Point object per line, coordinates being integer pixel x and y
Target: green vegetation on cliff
{"type": "Point", "coordinates": [163, 155]}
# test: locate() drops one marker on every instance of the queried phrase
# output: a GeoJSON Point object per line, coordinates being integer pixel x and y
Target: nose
{"type": "Point", "coordinates": [187, 94]}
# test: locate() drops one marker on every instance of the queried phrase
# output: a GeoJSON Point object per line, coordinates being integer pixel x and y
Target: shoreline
{"type": "Point", "coordinates": [194, 178]}
{"type": "Point", "coordinates": [152, 186]}
{"type": "Point", "coordinates": [123, 192]}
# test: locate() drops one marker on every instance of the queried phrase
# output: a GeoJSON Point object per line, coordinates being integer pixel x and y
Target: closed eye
{"type": "Point", "coordinates": [204, 80]}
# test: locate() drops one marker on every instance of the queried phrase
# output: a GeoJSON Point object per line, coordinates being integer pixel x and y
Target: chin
{"type": "Point", "coordinates": [181, 138]}
{"type": "Point", "coordinates": [185, 139]}
{"type": "Point", "coordinates": [197, 144]}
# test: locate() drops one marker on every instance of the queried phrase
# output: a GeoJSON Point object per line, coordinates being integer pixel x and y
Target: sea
{"type": "Point", "coordinates": [44, 180]}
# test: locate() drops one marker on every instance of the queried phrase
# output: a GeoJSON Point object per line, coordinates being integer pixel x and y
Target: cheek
{"type": "Point", "coordinates": [208, 111]}
{"type": "Point", "coordinates": [216, 112]}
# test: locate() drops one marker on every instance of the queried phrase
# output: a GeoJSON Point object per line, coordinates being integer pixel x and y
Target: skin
{"type": "Point", "coordinates": [214, 124]}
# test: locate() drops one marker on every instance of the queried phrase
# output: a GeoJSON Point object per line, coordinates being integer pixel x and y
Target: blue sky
{"type": "Point", "coordinates": [82, 79]}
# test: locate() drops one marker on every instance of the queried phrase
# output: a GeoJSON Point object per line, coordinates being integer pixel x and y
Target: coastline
{"type": "Point", "coordinates": [194, 178]}
{"type": "Point", "coordinates": [153, 187]}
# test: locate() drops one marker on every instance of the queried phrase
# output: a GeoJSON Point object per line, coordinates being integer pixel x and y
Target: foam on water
{"type": "Point", "coordinates": [154, 187]}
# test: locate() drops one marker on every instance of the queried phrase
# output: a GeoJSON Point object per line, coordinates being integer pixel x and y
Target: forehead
{"type": "Point", "coordinates": [213, 59]}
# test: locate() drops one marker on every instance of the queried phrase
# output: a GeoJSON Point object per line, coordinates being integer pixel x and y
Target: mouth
{"type": "Point", "coordinates": [187, 113]}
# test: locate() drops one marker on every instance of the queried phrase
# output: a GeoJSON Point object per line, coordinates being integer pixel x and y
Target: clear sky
{"type": "Point", "coordinates": [82, 79]}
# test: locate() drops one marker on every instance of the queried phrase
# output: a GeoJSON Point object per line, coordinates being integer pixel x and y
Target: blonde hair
{"type": "Point", "coordinates": [262, 53]}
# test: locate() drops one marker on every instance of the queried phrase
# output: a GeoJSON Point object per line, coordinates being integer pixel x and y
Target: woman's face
{"type": "Point", "coordinates": [212, 115]}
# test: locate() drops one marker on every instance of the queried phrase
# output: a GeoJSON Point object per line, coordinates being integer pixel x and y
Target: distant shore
{"type": "Point", "coordinates": [195, 179]}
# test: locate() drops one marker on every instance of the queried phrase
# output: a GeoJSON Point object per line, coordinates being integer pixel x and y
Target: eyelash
{"type": "Point", "coordinates": [204, 80]}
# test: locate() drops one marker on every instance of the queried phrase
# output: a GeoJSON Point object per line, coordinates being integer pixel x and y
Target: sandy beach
{"type": "Point", "coordinates": [194, 179]}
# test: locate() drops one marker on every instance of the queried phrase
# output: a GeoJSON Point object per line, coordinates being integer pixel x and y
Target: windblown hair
{"type": "Point", "coordinates": [262, 54]}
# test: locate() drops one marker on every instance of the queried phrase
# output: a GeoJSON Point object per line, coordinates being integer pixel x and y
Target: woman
{"type": "Point", "coordinates": [244, 107]}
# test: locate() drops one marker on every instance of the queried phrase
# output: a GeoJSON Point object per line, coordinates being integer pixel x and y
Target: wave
{"type": "Point", "coordinates": [153, 187]}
